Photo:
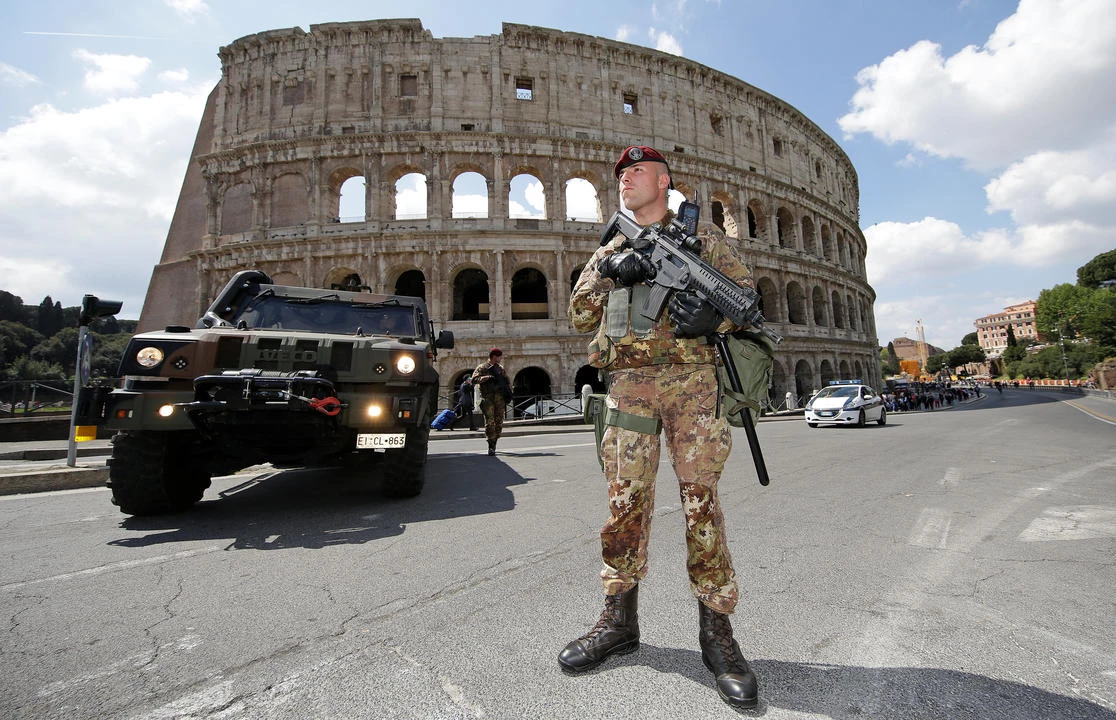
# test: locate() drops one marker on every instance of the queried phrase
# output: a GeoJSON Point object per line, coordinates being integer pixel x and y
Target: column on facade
{"type": "Point", "coordinates": [497, 297]}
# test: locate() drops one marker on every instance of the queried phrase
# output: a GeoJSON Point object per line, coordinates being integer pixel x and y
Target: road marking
{"type": "Point", "coordinates": [931, 530]}
{"type": "Point", "coordinates": [1082, 522]}
{"type": "Point", "coordinates": [89, 572]}
{"type": "Point", "coordinates": [1098, 415]}
{"type": "Point", "coordinates": [951, 478]}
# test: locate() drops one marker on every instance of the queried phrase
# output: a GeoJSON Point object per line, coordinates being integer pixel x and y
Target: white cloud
{"type": "Point", "coordinates": [188, 10]}
{"type": "Point", "coordinates": [1042, 81]}
{"type": "Point", "coordinates": [102, 182]}
{"type": "Point", "coordinates": [624, 32]}
{"type": "Point", "coordinates": [1034, 109]}
{"type": "Point", "coordinates": [112, 75]}
{"type": "Point", "coordinates": [174, 77]}
{"type": "Point", "coordinates": [14, 77]}
{"type": "Point", "coordinates": [665, 42]}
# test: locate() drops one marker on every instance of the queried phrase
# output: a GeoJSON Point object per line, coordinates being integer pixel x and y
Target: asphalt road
{"type": "Point", "coordinates": [953, 564]}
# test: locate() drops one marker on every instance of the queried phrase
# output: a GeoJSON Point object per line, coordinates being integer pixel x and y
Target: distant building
{"type": "Point", "coordinates": [992, 330]}
{"type": "Point", "coordinates": [907, 349]}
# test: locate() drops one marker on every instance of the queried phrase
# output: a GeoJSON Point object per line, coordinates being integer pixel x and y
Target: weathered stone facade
{"type": "Point", "coordinates": [297, 114]}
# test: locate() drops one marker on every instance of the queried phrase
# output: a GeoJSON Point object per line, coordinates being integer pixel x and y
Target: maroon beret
{"type": "Point", "coordinates": [638, 153]}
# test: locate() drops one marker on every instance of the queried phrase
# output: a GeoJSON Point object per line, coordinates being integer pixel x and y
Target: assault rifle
{"type": "Point", "coordinates": [675, 254]}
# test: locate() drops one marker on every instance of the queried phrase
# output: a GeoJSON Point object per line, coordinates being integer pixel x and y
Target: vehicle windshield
{"type": "Point", "coordinates": [838, 391]}
{"type": "Point", "coordinates": [326, 315]}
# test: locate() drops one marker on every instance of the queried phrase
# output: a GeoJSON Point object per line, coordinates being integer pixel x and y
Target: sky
{"type": "Point", "coordinates": [983, 131]}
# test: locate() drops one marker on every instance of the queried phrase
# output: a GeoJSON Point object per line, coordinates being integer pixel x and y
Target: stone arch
{"type": "Point", "coordinates": [821, 317]}
{"type": "Point", "coordinates": [784, 228]}
{"type": "Point", "coordinates": [778, 391]}
{"type": "Point", "coordinates": [796, 303]}
{"type": "Point", "coordinates": [411, 283]}
{"type": "Point", "coordinates": [769, 299]}
{"type": "Point", "coordinates": [838, 310]}
{"type": "Point", "coordinates": [236, 208]}
{"type": "Point", "coordinates": [529, 294]}
{"type": "Point", "coordinates": [466, 202]}
{"type": "Point", "coordinates": [574, 275]}
{"type": "Point", "coordinates": [827, 242]}
{"type": "Point", "coordinates": [342, 186]}
{"type": "Point", "coordinates": [591, 376]}
{"type": "Point", "coordinates": [582, 200]}
{"type": "Point", "coordinates": [803, 381]}
{"type": "Point", "coordinates": [527, 183]}
{"type": "Point", "coordinates": [344, 278]}
{"type": "Point", "coordinates": [757, 220]}
{"type": "Point", "coordinates": [410, 194]}
{"type": "Point", "coordinates": [290, 200]}
{"type": "Point", "coordinates": [722, 213]}
{"type": "Point", "coordinates": [809, 237]}
{"type": "Point", "coordinates": [827, 373]}
{"type": "Point", "coordinates": [846, 371]}
{"type": "Point", "coordinates": [527, 384]}
{"type": "Point", "coordinates": [470, 294]}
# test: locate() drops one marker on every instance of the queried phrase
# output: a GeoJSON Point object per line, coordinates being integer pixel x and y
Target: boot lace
{"type": "Point", "coordinates": [610, 618]}
{"type": "Point", "coordinates": [720, 638]}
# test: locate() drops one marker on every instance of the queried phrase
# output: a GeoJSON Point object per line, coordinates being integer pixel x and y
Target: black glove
{"type": "Point", "coordinates": [692, 316]}
{"type": "Point", "coordinates": [626, 268]}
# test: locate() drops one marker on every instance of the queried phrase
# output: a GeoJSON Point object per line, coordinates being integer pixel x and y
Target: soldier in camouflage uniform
{"type": "Point", "coordinates": [495, 392]}
{"type": "Point", "coordinates": [661, 375]}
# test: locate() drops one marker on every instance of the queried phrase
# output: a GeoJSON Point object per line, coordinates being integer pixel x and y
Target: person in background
{"type": "Point", "coordinates": [464, 405]}
{"type": "Point", "coordinates": [661, 377]}
{"type": "Point", "coordinates": [495, 392]}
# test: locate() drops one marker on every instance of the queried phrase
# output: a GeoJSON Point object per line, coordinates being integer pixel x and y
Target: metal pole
{"type": "Point", "coordinates": [71, 444]}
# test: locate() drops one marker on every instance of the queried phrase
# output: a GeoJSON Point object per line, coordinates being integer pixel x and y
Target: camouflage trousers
{"type": "Point", "coordinates": [493, 410]}
{"type": "Point", "coordinates": [698, 443]}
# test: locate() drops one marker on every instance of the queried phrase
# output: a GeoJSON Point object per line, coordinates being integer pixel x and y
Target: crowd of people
{"type": "Point", "coordinates": [930, 397]}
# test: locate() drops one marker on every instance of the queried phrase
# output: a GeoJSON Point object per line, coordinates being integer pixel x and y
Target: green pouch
{"type": "Point", "coordinates": [754, 355]}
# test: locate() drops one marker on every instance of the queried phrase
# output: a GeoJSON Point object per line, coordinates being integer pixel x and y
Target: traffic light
{"type": "Point", "coordinates": [92, 307]}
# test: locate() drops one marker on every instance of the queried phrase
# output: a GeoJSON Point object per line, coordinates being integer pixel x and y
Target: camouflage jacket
{"type": "Point", "coordinates": [641, 344]}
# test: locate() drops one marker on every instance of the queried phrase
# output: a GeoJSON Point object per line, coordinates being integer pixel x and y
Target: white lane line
{"type": "Point", "coordinates": [88, 572]}
{"type": "Point", "coordinates": [931, 530]}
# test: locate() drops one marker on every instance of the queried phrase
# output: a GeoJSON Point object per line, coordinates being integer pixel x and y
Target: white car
{"type": "Point", "coordinates": [845, 403]}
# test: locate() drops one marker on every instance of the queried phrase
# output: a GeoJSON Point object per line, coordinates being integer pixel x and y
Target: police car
{"type": "Point", "coordinates": [845, 402]}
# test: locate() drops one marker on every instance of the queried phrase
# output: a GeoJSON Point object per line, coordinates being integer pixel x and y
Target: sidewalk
{"type": "Point", "coordinates": [40, 465]}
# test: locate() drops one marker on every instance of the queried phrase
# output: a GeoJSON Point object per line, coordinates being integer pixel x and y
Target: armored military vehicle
{"type": "Point", "coordinates": [291, 376]}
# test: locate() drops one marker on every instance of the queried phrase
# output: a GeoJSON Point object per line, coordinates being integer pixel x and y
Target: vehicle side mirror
{"type": "Point", "coordinates": [445, 340]}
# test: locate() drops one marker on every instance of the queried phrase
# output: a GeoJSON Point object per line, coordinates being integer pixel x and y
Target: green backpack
{"type": "Point", "coordinates": [753, 353]}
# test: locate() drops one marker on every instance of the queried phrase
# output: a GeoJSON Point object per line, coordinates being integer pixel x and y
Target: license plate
{"type": "Point", "coordinates": [381, 441]}
{"type": "Point", "coordinates": [827, 413]}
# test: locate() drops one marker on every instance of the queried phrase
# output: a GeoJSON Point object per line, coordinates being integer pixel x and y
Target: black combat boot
{"type": "Point", "coordinates": [491, 447]}
{"type": "Point", "coordinates": [616, 633]}
{"type": "Point", "coordinates": [736, 683]}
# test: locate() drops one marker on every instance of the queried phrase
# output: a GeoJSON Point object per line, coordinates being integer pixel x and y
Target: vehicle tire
{"type": "Point", "coordinates": [883, 417]}
{"type": "Point", "coordinates": [404, 470]}
{"type": "Point", "coordinates": [156, 472]}
{"type": "Point", "coordinates": [812, 424]}
{"type": "Point", "coordinates": [860, 419]}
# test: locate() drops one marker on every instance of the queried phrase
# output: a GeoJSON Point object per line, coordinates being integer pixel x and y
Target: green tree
{"type": "Point", "coordinates": [965, 354]}
{"type": "Point", "coordinates": [934, 363]}
{"type": "Point", "coordinates": [1014, 352]}
{"type": "Point", "coordinates": [889, 363]}
{"type": "Point", "coordinates": [11, 307]}
{"type": "Point", "coordinates": [25, 368]}
{"type": "Point", "coordinates": [1097, 270]}
{"type": "Point", "coordinates": [18, 339]}
{"type": "Point", "coordinates": [60, 348]}
{"type": "Point", "coordinates": [1098, 319]}
{"type": "Point", "coordinates": [1060, 310]}
{"type": "Point", "coordinates": [971, 339]}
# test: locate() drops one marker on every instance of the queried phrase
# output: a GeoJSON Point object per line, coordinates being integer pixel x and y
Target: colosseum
{"type": "Point", "coordinates": [476, 173]}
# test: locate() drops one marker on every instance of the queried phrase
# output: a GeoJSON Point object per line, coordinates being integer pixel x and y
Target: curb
{"type": "Point", "coordinates": [53, 478]}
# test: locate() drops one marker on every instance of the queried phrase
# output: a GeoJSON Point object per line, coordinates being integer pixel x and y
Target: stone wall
{"type": "Point", "coordinates": [298, 114]}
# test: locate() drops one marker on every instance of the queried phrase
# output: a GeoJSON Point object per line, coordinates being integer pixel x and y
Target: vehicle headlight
{"type": "Point", "coordinates": [405, 364]}
{"type": "Point", "coordinates": [149, 356]}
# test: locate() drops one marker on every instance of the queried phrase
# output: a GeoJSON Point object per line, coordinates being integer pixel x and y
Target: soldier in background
{"type": "Point", "coordinates": [661, 377]}
{"type": "Point", "coordinates": [495, 392]}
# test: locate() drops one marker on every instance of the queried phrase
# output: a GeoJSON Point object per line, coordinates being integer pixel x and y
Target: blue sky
{"type": "Point", "coordinates": [983, 131]}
